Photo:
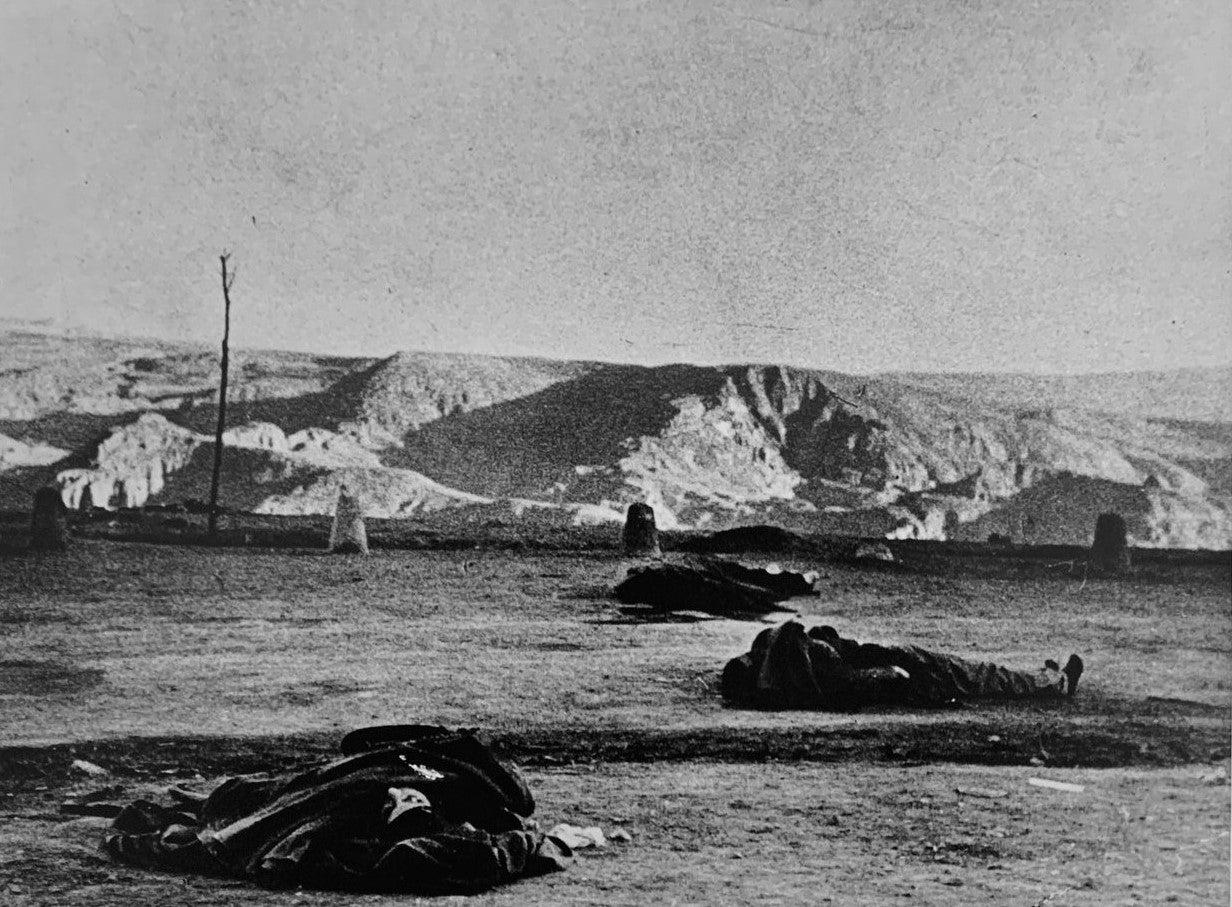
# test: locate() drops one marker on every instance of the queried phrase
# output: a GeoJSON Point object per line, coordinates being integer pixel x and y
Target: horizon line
{"type": "Point", "coordinates": [46, 327]}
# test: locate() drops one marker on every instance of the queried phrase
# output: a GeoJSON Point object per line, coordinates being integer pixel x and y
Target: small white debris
{"type": "Point", "coordinates": [1057, 785]}
{"type": "Point", "coordinates": [96, 771]}
{"type": "Point", "coordinates": [875, 552]}
{"type": "Point", "coordinates": [577, 837]}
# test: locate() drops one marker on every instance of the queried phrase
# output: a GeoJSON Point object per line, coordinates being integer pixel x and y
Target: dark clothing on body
{"type": "Point", "coordinates": [437, 814]}
{"type": "Point", "coordinates": [712, 585]}
{"type": "Point", "coordinates": [787, 668]}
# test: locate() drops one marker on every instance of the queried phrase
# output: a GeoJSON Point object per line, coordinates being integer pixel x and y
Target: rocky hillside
{"type": "Point", "coordinates": [928, 456]}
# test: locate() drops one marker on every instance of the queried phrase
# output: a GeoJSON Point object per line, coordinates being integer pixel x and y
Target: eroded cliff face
{"type": "Point", "coordinates": [775, 434]}
{"type": "Point", "coordinates": [130, 465]}
{"type": "Point", "coordinates": [820, 433]}
{"type": "Point", "coordinates": [715, 458]}
{"type": "Point", "coordinates": [133, 464]}
{"type": "Point", "coordinates": [1186, 521]}
{"type": "Point", "coordinates": [706, 447]}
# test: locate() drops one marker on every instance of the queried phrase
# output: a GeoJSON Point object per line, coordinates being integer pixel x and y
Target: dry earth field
{"type": "Point", "coordinates": [170, 664]}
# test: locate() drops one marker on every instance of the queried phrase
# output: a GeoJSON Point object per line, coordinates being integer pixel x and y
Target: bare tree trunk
{"type": "Point", "coordinates": [227, 281]}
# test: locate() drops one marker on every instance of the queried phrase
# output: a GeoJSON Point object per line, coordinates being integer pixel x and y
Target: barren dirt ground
{"type": "Point", "coordinates": [177, 665]}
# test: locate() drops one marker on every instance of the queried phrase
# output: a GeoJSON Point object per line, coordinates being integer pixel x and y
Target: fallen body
{"type": "Point", "coordinates": [788, 668]}
{"type": "Point", "coordinates": [713, 586]}
{"type": "Point", "coordinates": [415, 809]}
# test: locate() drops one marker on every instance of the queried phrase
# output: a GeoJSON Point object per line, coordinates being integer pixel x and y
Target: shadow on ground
{"type": "Point", "coordinates": [1099, 733]}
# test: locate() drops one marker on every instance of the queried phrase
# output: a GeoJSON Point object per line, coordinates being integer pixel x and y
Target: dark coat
{"type": "Point", "coordinates": [713, 586]}
{"type": "Point", "coordinates": [329, 827]}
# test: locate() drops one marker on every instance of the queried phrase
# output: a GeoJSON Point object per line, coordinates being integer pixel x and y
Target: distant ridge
{"type": "Point", "coordinates": [903, 455]}
{"type": "Point", "coordinates": [1198, 394]}
{"type": "Point", "coordinates": [1201, 393]}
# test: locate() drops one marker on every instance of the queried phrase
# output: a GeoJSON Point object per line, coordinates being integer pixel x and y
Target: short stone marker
{"type": "Point", "coordinates": [1110, 550]}
{"type": "Point", "coordinates": [348, 535]}
{"type": "Point", "coordinates": [641, 538]}
{"type": "Point", "coordinates": [49, 521]}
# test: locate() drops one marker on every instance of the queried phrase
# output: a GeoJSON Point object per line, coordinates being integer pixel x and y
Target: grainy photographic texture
{"type": "Point", "coordinates": [349, 535]}
{"type": "Point", "coordinates": [1110, 549]}
{"type": "Point", "coordinates": [641, 536]}
{"type": "Point", "coordinates": [895, 329]}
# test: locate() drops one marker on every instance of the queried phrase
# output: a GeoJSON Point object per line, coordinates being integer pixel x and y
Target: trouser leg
{"type": "Point", "coordinates": [936, 675]}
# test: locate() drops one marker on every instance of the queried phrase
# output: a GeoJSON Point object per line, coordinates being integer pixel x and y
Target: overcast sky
{"type": "Point", "coordinates": [932, 185]}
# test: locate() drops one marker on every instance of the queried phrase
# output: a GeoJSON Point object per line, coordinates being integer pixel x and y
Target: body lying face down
{"type": "Point", "coordinates": [407, 808]}
{"type": "Point", "coordinates": [788, 667]}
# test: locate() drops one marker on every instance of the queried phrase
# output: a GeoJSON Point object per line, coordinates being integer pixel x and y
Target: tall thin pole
{"type": "Point", "coordinates": [227, 281]}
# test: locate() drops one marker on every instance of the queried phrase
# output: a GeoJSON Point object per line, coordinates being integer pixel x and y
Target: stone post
{"type": "Point", "coordinates": [1110, 550]}
{"type": "Point", "coordinates": [348, 535]}
{"type": "Point", "coordinates": [641, 538]}
{"type": "Point", "coordinates": [49, 521]}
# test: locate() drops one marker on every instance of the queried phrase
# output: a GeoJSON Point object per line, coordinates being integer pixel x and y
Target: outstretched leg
{"type": "Point", "coordinates": [937, 676]}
